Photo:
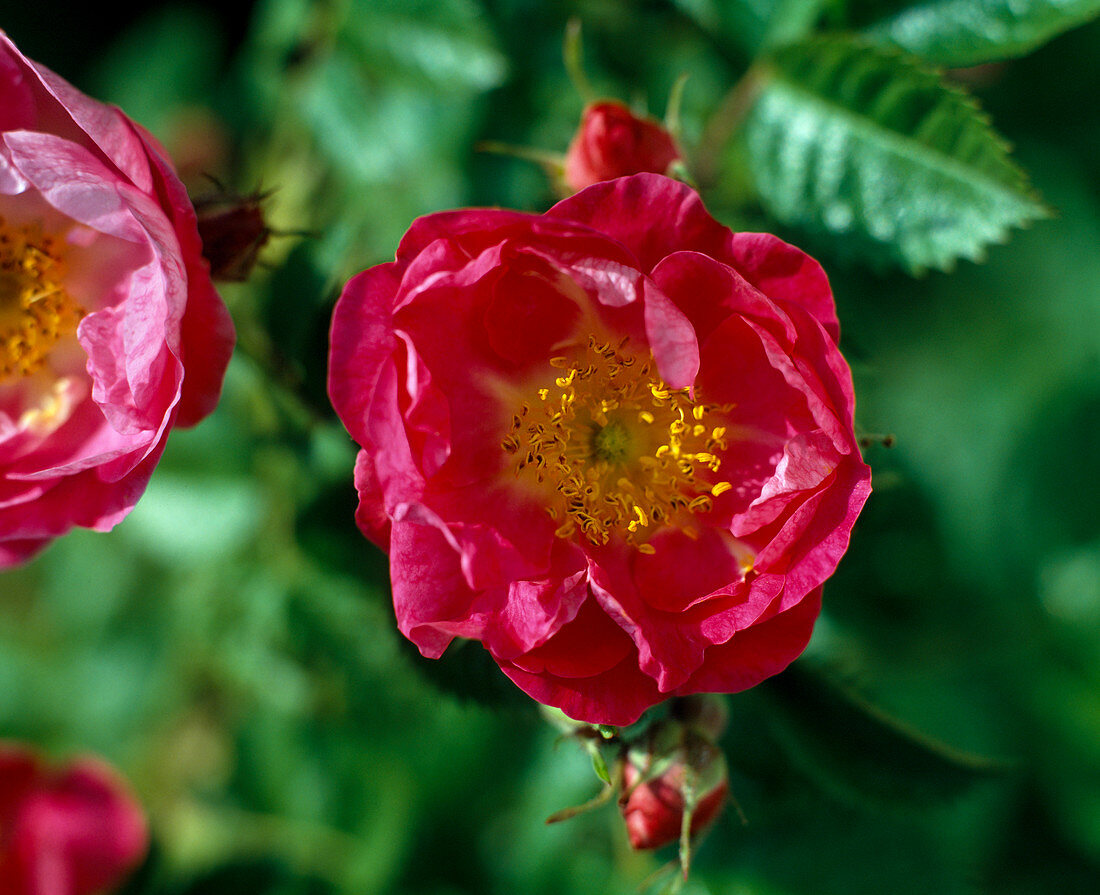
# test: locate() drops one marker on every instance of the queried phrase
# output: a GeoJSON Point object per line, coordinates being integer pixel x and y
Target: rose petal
{"type": "Point", "coordinates": [671, 339]}
{"type": "Point", "coordinates": [651, 215]}
{"type": "Point", "coordinates": [781, 271]}
{"type": "Point", "coordinates": [616, 696]}
{"type": "Point", "coordinates": [757, 652]}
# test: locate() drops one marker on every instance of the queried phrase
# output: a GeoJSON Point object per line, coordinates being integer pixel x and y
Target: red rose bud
{"type": "Point", "coordinates": [74, 830]}
{"type": "Point", "coordinates": [654, 808]}
{"type": "Point", "coordinates": [233, 231]}
{"type": "Point", "coordinates": [705, 713]}
{"type": "Point", "coordinates": [613, 142]}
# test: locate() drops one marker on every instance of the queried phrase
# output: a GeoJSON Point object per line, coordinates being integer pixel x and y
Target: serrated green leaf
{"type": "Point", "coordinates": [857, 751]}
{"type": "Point", "coordinates": [754, 25]}
{"type": "Point", "coordinates": [875, 156]}
{"type": "Point", "coordinates": [969, 32]}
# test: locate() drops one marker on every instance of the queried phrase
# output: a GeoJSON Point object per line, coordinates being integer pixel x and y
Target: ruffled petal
{"type": "Point", "coordinates": [430, 596]}
{"type": "Point", "coordinates": [757, 652]}
{"type": "Point", "coordinates": [371, 515]}
{"type": "Point", "coordinates": [653, 216]}
{"type": "Point", "coordinates": [618, 696]}
{"type": "Point", "coordinates": [535, 612]}
{"type": "Point", "coordinates": [207, 334]}
{"type": "Point", "coordinates": [781, 271]}
{"type": "Point", "coordinates": [361, 339]}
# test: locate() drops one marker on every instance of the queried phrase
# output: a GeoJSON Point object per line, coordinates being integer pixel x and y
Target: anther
{"type": "Point", "coordinates": [620, 449]}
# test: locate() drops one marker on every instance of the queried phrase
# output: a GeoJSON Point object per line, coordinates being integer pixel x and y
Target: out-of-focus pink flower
{"type": "Point", "coordinates": [613, 442]}
{"type": "Point", "coordinates": [612, 142]}
{"type": "Point", "coordinates": [74, 830]}
{"type": "Point", "coordinates": [110, 330]}
{"type": "Point", "coordinates": [653, 806]}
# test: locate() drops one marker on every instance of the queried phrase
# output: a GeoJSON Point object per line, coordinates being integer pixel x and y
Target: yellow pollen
{"type": "Point", "coordinates": [616, 451]}
{"type": "Point", "coordinates": [35, 310]}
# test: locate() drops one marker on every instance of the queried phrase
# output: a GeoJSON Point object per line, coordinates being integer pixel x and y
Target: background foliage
{"type": "Point", "coordinates": [231, 644]}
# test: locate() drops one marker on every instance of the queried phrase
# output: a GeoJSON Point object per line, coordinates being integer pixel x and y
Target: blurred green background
{"type": "Point", "coordinates": [231, 646]}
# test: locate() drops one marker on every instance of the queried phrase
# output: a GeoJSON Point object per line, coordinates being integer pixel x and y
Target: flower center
{"type": "Point", "coordinates": [616, 450]}
{"type": "Point", "coordinates": [35, 310]}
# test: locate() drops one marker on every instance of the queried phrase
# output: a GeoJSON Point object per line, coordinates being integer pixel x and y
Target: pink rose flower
{"type": "Point", "coordinates": [612, 442]}
{"type": "Point", "coordinates": [110, 330]}
{"type": "Point", "coordinates": [75, 830]}
{"type": "Point", "coordinates": [612, 142]}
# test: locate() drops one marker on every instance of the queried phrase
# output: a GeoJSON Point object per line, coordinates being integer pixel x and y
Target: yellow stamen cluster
{"type": "Point", "coordinates": [621, 452]}
{"type": "Point", "coordinates": [35, 310]}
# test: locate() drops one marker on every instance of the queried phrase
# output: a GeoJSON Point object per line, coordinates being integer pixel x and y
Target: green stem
{"type": "Point", "coordinates": [573, 53]}
{"type": "Point", "coordinates": [284, 380]}
{"type": "Point", "coordinates": [551, 161]}
{"type": "Point", "coordinates": [672, 109]}
{"type": "Point", "coordinates": [726, 122]}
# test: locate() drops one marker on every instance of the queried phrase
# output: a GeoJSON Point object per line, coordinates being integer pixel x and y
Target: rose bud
{"type": "Point", "coordinates": [705, 714]}
{"type": "Point", "coordinates": [233, 231]}
{"type": "Point", "coordinates": [111, 332]}
{"type": "Point", "coordinates": [653, 805]}
{"type": "Point", "coordinates": [613, 443]}
{"type": "Point", "coordinates": [73, 830]}
{"type": "Point", "coordinates": [612, 142]}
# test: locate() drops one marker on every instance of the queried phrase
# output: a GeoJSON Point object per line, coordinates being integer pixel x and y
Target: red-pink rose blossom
{"type": "Point", "coordinates": [110, 330]}
{"type": "Point", "coordinates": [612, 142]}
{"type": "Point", "coordinates": [73, 830]}
{"type": "Point", "coordinates": [612, 442]}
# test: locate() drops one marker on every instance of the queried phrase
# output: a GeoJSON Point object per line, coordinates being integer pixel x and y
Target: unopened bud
{"type": "Point", "coordinates": [77, 826]}
{"type": "Point", "coordinates": [691, 780]}
{"type": "Point", "coordinates": [233, 231]}
{"type": "Point", "coordinates": [612, 142]}
{"type": "Point", "coordinates": [705, 713]}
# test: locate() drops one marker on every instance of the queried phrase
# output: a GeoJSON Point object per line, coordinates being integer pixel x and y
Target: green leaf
{"type": "Point", "coordinates": [377, 101]}
{"type": "Point", "coordinates": [880, 160]}
{"type": "Point", "coordinates": [599, 763]}
{"type": "Point", "coordinates": [440, 43]}
{"type": "Point", "coordinates": [257, 876]}
{"type": "Point", "coordinates": [754, 25]}
{"type": "Point", "coordinates": [168, 58]}
{"type": "Point", "coordinates": [969, 32]}
{"type": "Point", "coordinates": [857, 751]}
